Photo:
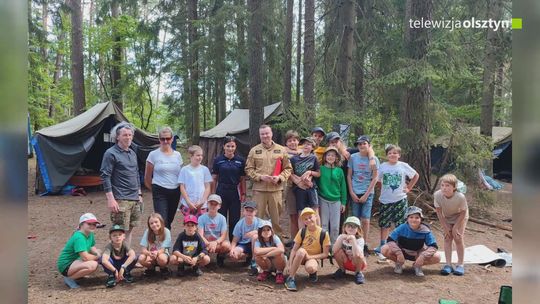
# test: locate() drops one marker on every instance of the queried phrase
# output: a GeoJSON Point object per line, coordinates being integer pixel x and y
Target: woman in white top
{"type": "Point", "coordinates": [161, 175]}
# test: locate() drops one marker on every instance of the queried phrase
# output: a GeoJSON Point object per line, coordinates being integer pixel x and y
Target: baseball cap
{"type": "Point", "coordinates": [117, 228]}
{"type": "Point", "coordinates": [88, 218]}
{"type": "Point", "coordinates": [214, 198]}
{"type": "Point", "coordinates": [352, 220]}
{"type": "Point", "coordinates": [414, 210]}
{"type": "Point", "coordinates": [264, 223]}
{"type": "Point", "coordinates": [308, 139]}
{"type": "Point", "coordinates": [328, 149]}
{"type": "Point", "coordinates": [362, 138]}
{"type": "Point", "coordinates": [332, 135]}
{"type": "Point", "coordinates": [250, 204]}
{"type": "Point", "coordinates": [318, 129]}
{"type": "Point", "coordinates": [190, 218]}
{"type": "Point", "coordinates": [307, 210]}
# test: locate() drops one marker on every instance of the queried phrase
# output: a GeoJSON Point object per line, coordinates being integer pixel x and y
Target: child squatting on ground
{"type": "Point", "coordinates": [155, 246]}
{"type": "Point", "coordinates": [189, 250]}
{"type": "Point", "coordinates": [244, 235]}
{"type": "Point", "coordinates": [412, 241]}
{"type": "Point", "coordinates": [118, 259]}
{"type": "Point", "coordinates": [307, 250]}
{"type": "Point", "coordinates": [213, 230]}
{"type": "Point", "coordinates": [269, 253]}
{"type": "Point", "coordinates": [349, 250]}
{"type": "Point", "coordinates": [453, 213]}
{"type": "Point", "coordinates": [80, 256]}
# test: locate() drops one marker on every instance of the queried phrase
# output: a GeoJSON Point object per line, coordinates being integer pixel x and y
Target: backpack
{"type": "Point", "coordinates": [321, 241]}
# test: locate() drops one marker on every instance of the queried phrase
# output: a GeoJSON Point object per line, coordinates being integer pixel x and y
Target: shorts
{"type": "Point", "coordinates": [290, 200]}
{"type": "Point", "coordinates": [130, 212]}
{"type": "Point", "coordinates": [362, 210]}
{"type": "Point", "coordinates": [393, 213]}
{"type": "Point", "coordinates": [349, 265]}
{"type": "Point", "coordinates": [65, 272]}
{"type": "Point", "coordinates": [197, 212]}
{"type": "Point", "coordinates": [246, 248]}
{"type": "Point", "coordinates": [306, 198]}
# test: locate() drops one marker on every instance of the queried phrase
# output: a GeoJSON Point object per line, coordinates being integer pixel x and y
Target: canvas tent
{"type": "Point", "coordinates": [502, 151]}
{"type": "Point", "coordinates": [76, 146]}
{"type": "Point", "coordinates": [237, 124]}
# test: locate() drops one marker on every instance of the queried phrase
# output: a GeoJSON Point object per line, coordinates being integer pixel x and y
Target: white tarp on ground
{"type": "Point", "coordinates": [479, 254]}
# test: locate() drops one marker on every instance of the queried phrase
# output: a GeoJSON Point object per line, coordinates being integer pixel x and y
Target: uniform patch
{"type": "Point", "coordinates": [277, 151]}
{"type": "Point", "coordinates": [258, 151]}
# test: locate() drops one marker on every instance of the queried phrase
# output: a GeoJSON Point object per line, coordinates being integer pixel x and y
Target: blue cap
{"type": "Point", "coordinates": [318, 129]}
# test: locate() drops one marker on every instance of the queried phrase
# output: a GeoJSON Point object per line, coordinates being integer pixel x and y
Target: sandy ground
{"type": "Point", "coordinates": [52, 219]}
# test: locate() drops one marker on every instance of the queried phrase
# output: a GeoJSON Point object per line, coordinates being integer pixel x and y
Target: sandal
{"type": "Point", "coordinates": [446, 270]}
{"type": "Point", "coordinates": [459, 271]}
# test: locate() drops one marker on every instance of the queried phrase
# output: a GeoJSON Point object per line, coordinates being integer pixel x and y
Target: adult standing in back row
{"type": "Point", "coordinates": [161, 176]}
{"type": "Point", "coordinates": [267, 187]}
{"type": "Point", "coordinates": [120, 174]}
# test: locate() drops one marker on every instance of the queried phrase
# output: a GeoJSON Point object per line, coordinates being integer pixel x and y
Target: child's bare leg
{"type": "Point", "coordinates": [435, 259]}
{"type": "Point", "coordinates": [264, 263]}
{"type": "Point", "coordinates": [384, 233]}
{"type": "Point", "coordinates": [297, 261]}
{"type": "Point", "coordinates": [448, 248]}
{"type": "Point", "coordinates": [365, 227]}
{"type": "Point", "coordinates": [279, 262]}
{"type": "Point", "coordinates": [147, 261]}
{"type": "Point", "coordinates": [460, 247]}
{"type": "Point", "coordinates": [79, 269]}
{"type": "Point", "coordinates": [223, 248]}
{"type": "Point", "coordinates": [340, 258]}
{"type": "Point", "coordinates": [311, 266]}
{"type": "Point", "coordinates": [293, 218]}
{"type": "Point", "coordinates": [128, 237]}
{"type": "Point", "coordinates": [393, 252]}
{"type": "Point", "coordinates": [162, 260]}
{"type": "Point", "coordinates": [240, 255]}
{"type": "Point", "coordinates": [204, 261]}
{"type": "Point", "coordinates": [317, 212]}
{"type": "Point", "coordinates": [359, 261]}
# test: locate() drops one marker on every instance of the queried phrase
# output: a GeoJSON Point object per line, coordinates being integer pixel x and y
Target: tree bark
{"type": "Point", "coordinates": [77, 64]}
{"type": "Point", "coordinates": [242, 79]}
{"type": "Point", "coordinates": [288, 55]}
{"type": "Point", "coordinates": [44, 22]}
{"type": "Point", "coordinates": [298, 51]}
{"type": "Point", "coordinates": [116, 74]}
{"type": "Point", "coordinates": [256, 114]}
{"type": "Point", "coordinates": [194, 68]}
{"type": "Point", "coordinates": [309, 59]}
{"type": "Point", "coordinates": [344, 60]}
{"type": "Point", "coordinates": [219, 63]}
{"type": "Point", "coordinates": [414, 109]}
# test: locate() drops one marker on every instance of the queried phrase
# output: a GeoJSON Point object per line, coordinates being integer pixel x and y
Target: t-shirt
{"type": "Point", "coordinates": [228, 170]}
{"type": "Point", "coordinates": [157, 245]}
{"type": "Point", "coordinates": [347, 246]}
{"type": "Point", "coordinates": [361, 173]}
{"type": "Point", "coordinates": [213, 227]}
{"type": "Point", "coordinates": [166, 168]}
{"type": "Point", "coordinates": [302, 164]}
{"type": "Point", "coordinates": [276, 240]}
{"type": "Point", "coordinates": [311, 241]}
{"type": "Point", "coordinates": [319, 152]}
{"type": "Point", "coordinates": [194, 179]}
{"type": "Point", "coordinates": [241, 228]}
{"type": "Point", "coordinates": [451, 207]}
{"type": "Point", "coordinates": [189, 245]}
{"type": "Point", "coordinates": [392, 179]}
{"type": "Point", "coordinates": [78, 242]}
{"type": "Point", "coordinates": [117, 254]}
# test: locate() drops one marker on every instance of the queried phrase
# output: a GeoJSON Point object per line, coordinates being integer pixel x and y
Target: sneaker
{"type": "Point", "coordinates": [398, 268]}
{"type": "Point", "coordinates": [111, 281]}
{"type": "Point", "coordinates": [340, 273]}
{"type": "Point", "coordinates": [220, 260]}
{"type": "Point", "coordinates": [418, 271]}
{"type": "Point", "coordinates": [446, 270]}
{"type": "Point", "coordinates": [459, 271]}
{"type": "Point", "coordinates": [149, 272]}
{"type": "Point", "coordinates": [380, 257]}
{"type": "Point", "coordinates": [313, 277]}
{"type": "Point", "coordinates": [253, 270]}
{"type": "Point", "coordinates": [359, 278]}
{"type": "Point", "coordinates": [197, 272]}
{"type": "Point", "coordinates": [181, 271]}
{"type": "Point", "coordinates": [290, 284]}
{"type": "Point", "coordinates": [377, 249]}
{"type": "Point", "coordinates": [71, 283]}
{"type": "Point", "coordinates": [280, 279]}
{"type": "Point", "coordinates": [263, 276]}
{"type": "Point", "coordinates": [164, 272]}
{"type": "Point", "coordinates": [128, 277]}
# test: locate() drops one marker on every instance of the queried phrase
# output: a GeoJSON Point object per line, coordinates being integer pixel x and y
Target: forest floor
{"type": "Point", "coordinates": [52, 219]}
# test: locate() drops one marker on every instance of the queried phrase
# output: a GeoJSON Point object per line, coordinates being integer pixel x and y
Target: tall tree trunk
{"type": "Point", "coordinates": [44, 22]}
{"type": "Point", "coordinates": [256, 113]}
{"type": "Point", "coordinates": [194, 68]}
{"type": "Point", "coordinates": [219, 63]}
{"type": "Point", "coordinates": [57, 67]}
{"type": "Point", "coordinates": [344, 59]}
{"type": "Point", "coordinates": [298, 51]}
{"type": "Point", "coordinates": [242, 78]}
{"type": "Point", "coordinates": [288, 55]}
{"type": "Point", "coordinates": [414, 109]}
{"type": "Point", "coordinates": [363, 13]}
{"type": "Point", "coordinates": [116, 74]}
{"type": "Point", "coordinates": [309, 60]}
{"type": "Point", "coordinates": [77, 64]}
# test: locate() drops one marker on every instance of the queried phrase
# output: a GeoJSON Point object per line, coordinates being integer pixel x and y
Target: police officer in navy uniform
{"type": "Point", "coordinates": [229, 177]}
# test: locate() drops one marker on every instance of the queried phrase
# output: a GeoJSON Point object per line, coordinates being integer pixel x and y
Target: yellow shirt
{"type": "Point", "coordinates": [319, 153]}
{"type": "Point", "coordinates": [262, 161]}
{"type": "Point", "coordinates": [311, 241]}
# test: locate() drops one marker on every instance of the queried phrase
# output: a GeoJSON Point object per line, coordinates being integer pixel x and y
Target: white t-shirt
{"type": "Point", "coordinates": [166, 168]}
{"type": "Point", "coordinates": [451, 207]}
{"type": "Point", "coordinates": [194, 179]}
{"type": "Point", "coordinates": [346, 245]}
{"type": "Point", "coordinates": [392, 179]}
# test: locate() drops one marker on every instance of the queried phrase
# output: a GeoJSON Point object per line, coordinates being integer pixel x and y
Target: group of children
{"type": "Point", "coordinates": [320, 193]}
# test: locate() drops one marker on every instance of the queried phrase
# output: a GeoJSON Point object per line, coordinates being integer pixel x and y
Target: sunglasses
{"type": "Point", "coordinates": [165, 138]}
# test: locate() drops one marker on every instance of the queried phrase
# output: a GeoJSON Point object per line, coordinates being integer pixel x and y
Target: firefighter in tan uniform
{"type": "Point", "coordinates": [267, 189]}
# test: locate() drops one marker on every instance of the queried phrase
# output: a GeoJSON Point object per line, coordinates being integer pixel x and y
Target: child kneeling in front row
{"type": "Point", "coordinates": [269, 253]}
{"type": "Point", "coordinates": [412, 241]}
{"type": "Point", "coordinates": [453, 213]}
{"type": "Point", "coordinates": [189, 250]}
{"type": "Point", "coordinates": [348, 250]}
{"type": "Point", "coordinates": [118, 259]}
{"type": "Point", "coordinates": [307, 249]}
